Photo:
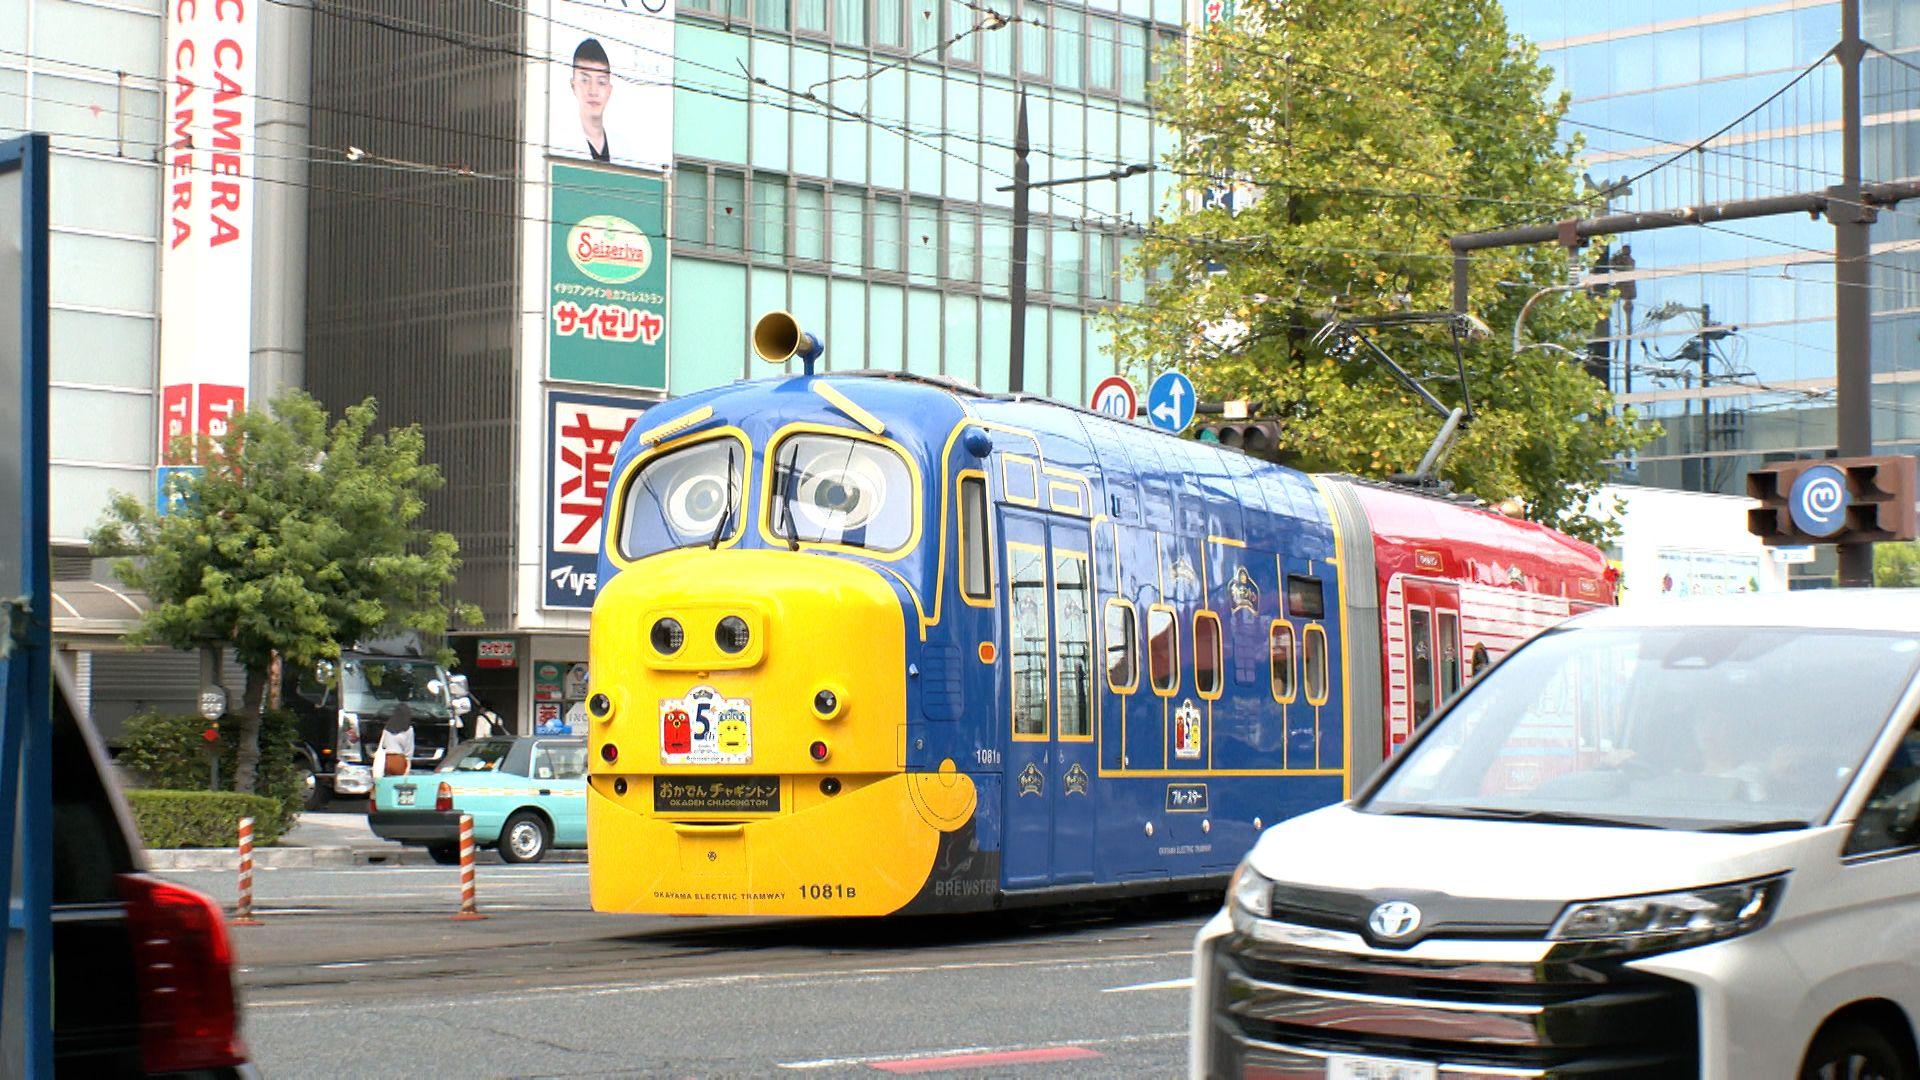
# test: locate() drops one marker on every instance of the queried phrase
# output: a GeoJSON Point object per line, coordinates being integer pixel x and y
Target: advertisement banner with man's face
{"type": "Point", "coordinates": [607, 279]}
{"type": "Point", "coordinates": [610, 81]}
{"type": "Point", "coordinates": [583, 435]}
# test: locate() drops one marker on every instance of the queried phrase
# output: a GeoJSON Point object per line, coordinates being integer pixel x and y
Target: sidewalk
{"type": "Point", "coordinates": [323, 838]}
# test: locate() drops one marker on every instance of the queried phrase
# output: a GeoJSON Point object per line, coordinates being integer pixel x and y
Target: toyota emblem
{"type": "Point", "coordinates": [1394, 920]}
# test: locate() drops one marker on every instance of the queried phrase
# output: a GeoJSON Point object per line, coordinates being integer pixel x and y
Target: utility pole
{"type": "Point", "coordinates": [1022, 216]}
{"type": "Point", "coordinates": [1852, 217]}
{"type": "Point", "coordinates": [1017, 288]}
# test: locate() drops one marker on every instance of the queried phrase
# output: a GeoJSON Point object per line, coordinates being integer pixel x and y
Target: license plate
{"type": "Point", "coordinates": [1345, 1067]}
{"type": "Point", "coordinates": [403, 796]}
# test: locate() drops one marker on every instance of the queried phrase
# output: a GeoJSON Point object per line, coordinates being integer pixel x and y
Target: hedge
{"type": "Point", "coordinates": [171, 752]}
{"type": "Point", "coordinates": [183, 819]}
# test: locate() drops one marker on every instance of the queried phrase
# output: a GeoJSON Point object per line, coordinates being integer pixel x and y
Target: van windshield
{"type": "Point", "coordinates": [1727, 728]}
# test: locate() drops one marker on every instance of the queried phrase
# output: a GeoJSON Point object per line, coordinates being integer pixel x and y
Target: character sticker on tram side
{"type": "Point", "coordinates": [1243, 592]}
{"type": "Point", "coordinates": [1075, 780]}
{"type": "Point", "coordinates": [1031, 781]}
{"type": "Point", "coordinates": [705, 728]}
{"type": "Point", "coordinates": [1186, 731]}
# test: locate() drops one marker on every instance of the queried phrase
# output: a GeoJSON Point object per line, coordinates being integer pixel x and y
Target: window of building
{"type": "Point", "coordinates": [889, 30]}
{"type": "Point", "coordinates": [996, 251]}
{"type": "Point", "coordinates": [810, 16]}
{"type": "Point", "coordinates": [976, 552]}
{"type": "Point", "coordinates": [1027, 580]}
{"type": "Point", "coordinates": [923, 25]}
{"type": "Point", "coordinates": [729, 209]}
{"type": "Point", "coordinates": [923, 241]}
{"type": "Point", "coordinates": [1133, 61]}
{"type": "Point", "coordinates": [1209, 663]}
{"type": "Point", "coordinates": [1163, 650]}
{"type": "Point", "coordinates": [886, 233]}
{"type": "Point", "coordinates": [996, 51]}
{"type": "Point", "coordinates": [1123, 651]}
{"type": "Point", "coordinates": [690, 204]}
{"type": "Point", "coordinates": [848, 232]}
{"type": "Point", "coordinates": [1065, 262]}
{"type": "Point", "coordinates": [1073, 643]}
{"type": "Point", "coordinates": [961, 245]}
{"type": "Point", "coordinates": [1067, 43]}
{"type": "Point", "coordinates": [1033, 40]}
{"type": "Point", "coordinates": [965, 50]}
{"type": "Point", "coordinates": [850, 22]}
{"type": "Point", "coordinates": [1316, 664]}
{"type": "Point", "coordinates": [769, 222]}
{"type": "Point", "coordinates": [771, 14]}
{"type": "Point", "coordinates": [809, 222]}
{"type": "Point", "coordinates": [1102, 70]}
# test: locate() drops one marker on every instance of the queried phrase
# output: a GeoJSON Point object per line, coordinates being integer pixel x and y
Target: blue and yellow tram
{"type": "Point", "coordinates": [872, 643]}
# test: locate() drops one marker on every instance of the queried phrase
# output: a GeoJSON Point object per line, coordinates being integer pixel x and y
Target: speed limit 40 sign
{"type": "Point", "coordinates": [1115, 397]}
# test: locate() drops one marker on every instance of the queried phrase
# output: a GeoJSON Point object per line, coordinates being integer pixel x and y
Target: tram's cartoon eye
{"type": "Point", "coordinates": [696, 503]}
{"type": "Point", "coordinates": [838, 490]}
{"type": "Point", "coordinates": [840, 495]}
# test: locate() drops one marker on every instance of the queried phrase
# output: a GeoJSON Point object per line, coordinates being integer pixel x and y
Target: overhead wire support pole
{"type": "Point", "coordinates": [1852, 336]}
{"type": "Point", "coordinates": [1017, 287]}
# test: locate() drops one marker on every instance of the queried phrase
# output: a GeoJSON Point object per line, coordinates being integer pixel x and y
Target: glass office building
{"type": "Point", "coordinates": [1729, 339]}
{"type": "Point", "coordinates": [887, 233]}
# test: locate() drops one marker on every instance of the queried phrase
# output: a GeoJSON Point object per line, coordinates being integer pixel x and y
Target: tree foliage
{"type": "Point", "coordinates": [297, 539]}
{"type": "Point", "coordinates": [1371, 131]}
{"type": "Point", "coordinates": [1897, 565]}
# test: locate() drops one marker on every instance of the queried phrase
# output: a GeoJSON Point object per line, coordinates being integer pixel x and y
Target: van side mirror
{"type": "Point", "coordinates": [457, 686]}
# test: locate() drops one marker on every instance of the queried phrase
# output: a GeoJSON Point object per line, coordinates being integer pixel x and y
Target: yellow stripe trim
{"type": "Point", "coordinates": [854, 412]}
{"type": "Point", "coordinates": [678, 424]}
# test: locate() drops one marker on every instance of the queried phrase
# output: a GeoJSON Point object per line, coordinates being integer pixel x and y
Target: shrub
{"type": "Point", "coordinates": [170, 751]}
{"type": "Point", "coordinates": [176, 819]}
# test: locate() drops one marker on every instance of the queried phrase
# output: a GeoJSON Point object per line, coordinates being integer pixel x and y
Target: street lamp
{"type": "Point", "coordinates": [1017, 287]}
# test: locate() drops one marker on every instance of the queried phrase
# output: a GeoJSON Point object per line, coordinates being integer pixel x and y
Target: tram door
{"type": "Point", "coordinates": [1433, 657]}
{"type": "Point", "coordinates": [1051, 757]}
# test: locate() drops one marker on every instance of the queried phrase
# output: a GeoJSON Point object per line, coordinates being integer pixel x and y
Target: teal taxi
{"type": "Point", "coordinates": [527, 795]}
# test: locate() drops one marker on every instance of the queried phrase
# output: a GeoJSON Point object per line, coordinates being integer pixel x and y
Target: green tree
{"type": "Point", "coordinates": [1370, 130]}
{"type": "Point", "coordinates": [1897, 565]}
{"type": "Point", "coordinates": [298, 538]}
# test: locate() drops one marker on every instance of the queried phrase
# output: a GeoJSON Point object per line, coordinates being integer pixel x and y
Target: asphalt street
{"type": "Point", "coordinates": [362, 971]}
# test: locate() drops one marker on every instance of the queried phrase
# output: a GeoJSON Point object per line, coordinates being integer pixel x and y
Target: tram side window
{"type": "Point", "coordinates": [1123, 653]}
{"type": "Point", "coordinates": [1207, 659]}
{"type": "Point", "coordinates": [1073, 629]}
{"type": "Point", "coordinates": [1163, 649]}
{"type": "Point", "coordinates": [1449, 631]}
{"type": "Point", "coordinates": [1316, 664]}
{"type": "Point", "coordinates": [976, 571]}
{"type": "Point", "coordinates": [1029, 587]}
{"type": "Point", "coordinates": [1280, 657]}
{"type": "Point", "coordinates": [1420, 661]}
{"type": "Point", "coordinates": [1306, 597]}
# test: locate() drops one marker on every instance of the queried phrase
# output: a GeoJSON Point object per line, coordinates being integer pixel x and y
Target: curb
{"type": "Point", "coordinates": [291, 858]}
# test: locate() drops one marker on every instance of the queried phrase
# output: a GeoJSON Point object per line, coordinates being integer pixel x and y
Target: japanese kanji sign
{"type": "Point", "coordinates": [583, 434]}
{"type": "Point", "coordinates": [607, 279]}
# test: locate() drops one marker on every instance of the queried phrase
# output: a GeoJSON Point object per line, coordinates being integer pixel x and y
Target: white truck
{"type": "Point", "coordinates": [1681, 544]}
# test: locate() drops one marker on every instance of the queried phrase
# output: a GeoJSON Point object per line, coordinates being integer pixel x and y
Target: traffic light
{"type": "Point", "coordinates": [1837, 501]}
{"type": "Point", "coordinates": [1256, 437]}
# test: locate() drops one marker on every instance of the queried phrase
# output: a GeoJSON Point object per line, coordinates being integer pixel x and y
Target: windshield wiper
{"type": "Point", "coordinates": [726, 512]}
{"type": "Point", "coordinates": [786, 497]}
{"type": "Point", "coordinates": [1536, 817]}
{"type": "Point", "coordinates": [1782, 825]}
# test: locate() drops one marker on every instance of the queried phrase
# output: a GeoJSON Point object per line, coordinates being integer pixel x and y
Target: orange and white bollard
{"type": "Point", "coordinates": [467, 908]}
{"type": "Point", "coordinates": [243, 912]}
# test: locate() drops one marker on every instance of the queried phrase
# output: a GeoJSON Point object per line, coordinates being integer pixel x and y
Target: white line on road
{"type": "Point", "coordinates": [1117, 1040]}
{"type": "Point", "coordinates": [788, 977]}
{"type": "Point", "coordinates": [1169, 984]}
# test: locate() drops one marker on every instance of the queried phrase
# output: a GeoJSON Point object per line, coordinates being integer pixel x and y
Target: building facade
{"type": "Point", "coordinates": [1726, 337]}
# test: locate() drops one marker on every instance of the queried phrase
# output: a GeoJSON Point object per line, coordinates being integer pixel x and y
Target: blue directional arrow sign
{"type": "Point", "coordinates": [1170, 402]}
{"type": "Point", "coordinates": [1818, 501]}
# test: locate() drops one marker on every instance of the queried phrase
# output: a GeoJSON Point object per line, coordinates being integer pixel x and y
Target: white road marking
{"type": "Point", "coordinates": [838, 1063]}
{"type": "Point", "coordinates": [822, 978]}
{"type": "Point", "coordinates": [1169, 984]}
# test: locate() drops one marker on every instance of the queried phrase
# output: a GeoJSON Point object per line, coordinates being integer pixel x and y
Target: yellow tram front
{"type": "Point", "coordinates": [750, 669]}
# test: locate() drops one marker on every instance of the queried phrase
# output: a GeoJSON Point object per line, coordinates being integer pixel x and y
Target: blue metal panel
{"type": "Point", "coordinates": [26, 768]}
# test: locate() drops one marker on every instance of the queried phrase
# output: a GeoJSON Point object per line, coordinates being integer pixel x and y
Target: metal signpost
{"type": "Point", "coordinates": [26, 714]}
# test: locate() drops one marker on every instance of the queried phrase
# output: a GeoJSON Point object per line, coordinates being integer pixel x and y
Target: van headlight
{"type": "Point", "coordinates": [1676, 920]}
{"type": "Point", "coordinates": [1250, 891]}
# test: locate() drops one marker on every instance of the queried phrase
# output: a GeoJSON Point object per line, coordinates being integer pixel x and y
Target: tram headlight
{"type": "Point", "coordinates": [667, 636]}
{"type": "Point", "coordinates": [827, 703]}
{"type": "Point", "coordinates": [732, 634]}
{"type": "Point", "coordinates": [1250, 891]}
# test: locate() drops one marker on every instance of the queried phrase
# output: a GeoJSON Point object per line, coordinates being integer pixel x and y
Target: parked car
{"type": "Point", "coordinates": [1676, 841]}
{"type": "Point", "coordinates": [142, 968]}
{"type": "Point", "coordinates": [526, 795]}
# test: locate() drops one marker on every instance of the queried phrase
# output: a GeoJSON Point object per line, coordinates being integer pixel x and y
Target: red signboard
{"type": "Point", "coordinates": [497, 653]}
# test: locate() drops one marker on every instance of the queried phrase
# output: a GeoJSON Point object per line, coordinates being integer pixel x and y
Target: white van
{"type": "Point", "coordinates": [1676, 841]}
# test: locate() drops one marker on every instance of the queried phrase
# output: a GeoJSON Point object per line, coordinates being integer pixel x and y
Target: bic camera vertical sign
{"type": "Point", "coordinates": [583, 435]}
{"type": "Point", "coordinates": [607, 279]}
